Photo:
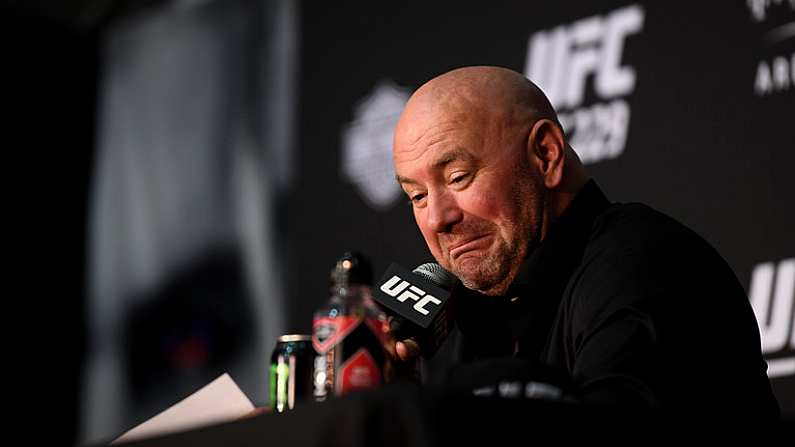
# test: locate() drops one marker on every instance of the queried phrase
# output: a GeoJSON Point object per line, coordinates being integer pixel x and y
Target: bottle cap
{"type": "Point", "coordinates": [352, 268]}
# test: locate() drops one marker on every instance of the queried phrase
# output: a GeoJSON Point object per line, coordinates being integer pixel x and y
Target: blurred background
{"type": "Point", "coordinates": [183, 174]}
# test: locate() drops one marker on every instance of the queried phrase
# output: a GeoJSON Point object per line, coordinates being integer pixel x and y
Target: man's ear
{"type": "Point", "coordinates": [546, 148]}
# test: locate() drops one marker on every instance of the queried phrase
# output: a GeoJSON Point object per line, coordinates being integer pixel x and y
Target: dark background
{"type": "Point", "coordinates": [702, 147]}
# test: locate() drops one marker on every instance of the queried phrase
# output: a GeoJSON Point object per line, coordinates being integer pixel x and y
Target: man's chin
{"type": "Point", "coordinates": [487, 287]}
{"type": "Point", "coordinates": [472, 274]}
{"type": "Point", "coordinates": [475, 279]}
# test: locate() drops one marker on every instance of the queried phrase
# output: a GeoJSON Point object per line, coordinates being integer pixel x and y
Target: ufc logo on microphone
{"type": "Point", "coordinates": [402, 290]}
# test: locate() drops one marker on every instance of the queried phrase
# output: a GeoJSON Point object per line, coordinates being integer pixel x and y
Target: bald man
{"type": "Point", "coordinates": [628, 305]}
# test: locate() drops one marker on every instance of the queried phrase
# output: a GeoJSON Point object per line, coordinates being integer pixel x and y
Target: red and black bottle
{"type": "Point", "coordinates": [348, 333]}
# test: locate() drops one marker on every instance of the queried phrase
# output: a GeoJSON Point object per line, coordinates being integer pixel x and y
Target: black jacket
{"type": "Point", "coordinates": [628, 307]}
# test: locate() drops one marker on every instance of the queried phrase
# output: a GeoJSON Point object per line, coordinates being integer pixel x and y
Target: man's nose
{"type": "Point", "coordinates": [443, 212]}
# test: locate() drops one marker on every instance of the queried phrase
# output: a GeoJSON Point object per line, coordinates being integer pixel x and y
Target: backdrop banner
{"type": "Point", "coordinates": [680, 105]}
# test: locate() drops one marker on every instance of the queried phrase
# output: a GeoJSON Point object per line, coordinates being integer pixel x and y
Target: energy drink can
{"type": "Point", "coordinates": [291, 372]}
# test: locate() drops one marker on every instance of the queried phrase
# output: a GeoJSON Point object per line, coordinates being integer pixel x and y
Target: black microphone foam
{"type": "Point", "coordinates": [436, 274]}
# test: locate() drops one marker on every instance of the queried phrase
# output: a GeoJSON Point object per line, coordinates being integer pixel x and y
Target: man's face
{"type": "Point", "coordinates": [474, 196]}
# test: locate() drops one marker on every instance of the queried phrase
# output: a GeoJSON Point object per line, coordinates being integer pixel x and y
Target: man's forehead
{"type": "Point", "coordinates": [424, 126]}
{"type": "Point", "coordinates": [417, 132]}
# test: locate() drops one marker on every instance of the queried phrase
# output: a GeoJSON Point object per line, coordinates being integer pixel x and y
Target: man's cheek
{"type": "Point", "coordinates": [439, 254]}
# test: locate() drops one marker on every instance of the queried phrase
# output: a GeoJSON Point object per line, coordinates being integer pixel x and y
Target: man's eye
{"type": "Point", "coordinates": [416, 198]}
{"type": "Point", "coordinates": [458, 178]}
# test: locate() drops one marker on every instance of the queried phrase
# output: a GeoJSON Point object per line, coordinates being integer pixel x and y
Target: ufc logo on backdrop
{"type": "Point", "coordinates": [403, 290]}
{"type": "Point", "coordinates": [775, 69]}
{"type": "Point", "coordinates": [772, 294]}
{"type": "Point", "coordinates": [561, 60]}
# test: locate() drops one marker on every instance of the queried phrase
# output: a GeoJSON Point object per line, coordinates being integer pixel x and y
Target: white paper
{"type": "Point", "coordinates": [219, 401]}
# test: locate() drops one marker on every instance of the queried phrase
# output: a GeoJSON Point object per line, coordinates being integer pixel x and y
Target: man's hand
{"type": "Point", "coordinates": [407, 349]}
{"type": "Point", "coordinates": [400, 345]}
{"type": "Point", "coordinates": [403, 355]}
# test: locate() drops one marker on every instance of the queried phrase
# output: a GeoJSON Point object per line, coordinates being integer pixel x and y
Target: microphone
{"type": "Point", "coordinates": [419, 303]}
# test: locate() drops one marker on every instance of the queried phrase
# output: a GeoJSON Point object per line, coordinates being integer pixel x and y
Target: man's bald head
{"type": "Point", "coordinates": [493, 92]}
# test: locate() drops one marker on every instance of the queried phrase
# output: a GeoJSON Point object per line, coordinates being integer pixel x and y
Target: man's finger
{"type": "Point", "coordinates": [407, 349]}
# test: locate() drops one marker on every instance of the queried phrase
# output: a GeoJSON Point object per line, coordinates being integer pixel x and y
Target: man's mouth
{"type": "Point", "coordinates": [461, 247]}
